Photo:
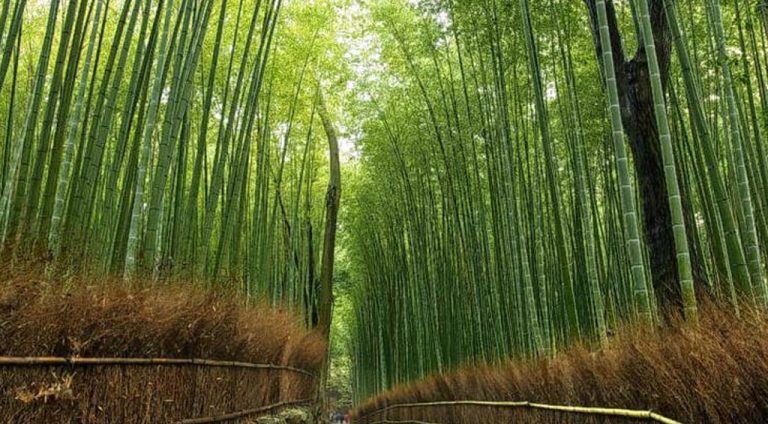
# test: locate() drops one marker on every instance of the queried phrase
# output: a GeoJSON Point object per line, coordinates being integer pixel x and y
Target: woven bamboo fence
{"type": "Point", "coordinates": [145, 390]}
{"type": "Point", "coordinates": [419, 413]}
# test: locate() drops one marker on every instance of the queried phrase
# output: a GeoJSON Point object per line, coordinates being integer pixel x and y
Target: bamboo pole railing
{"type": "Point", "coordinates": [615, 412]}
{"type": "Point", "coordinates": [243, 414]}
{"type": "Point", "coordinates": [12, 361]}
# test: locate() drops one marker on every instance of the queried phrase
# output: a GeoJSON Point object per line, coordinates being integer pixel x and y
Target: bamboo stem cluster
{"type": "Point", "coordinates": [499, 213]}
{"type": "Point", "coordinates": [149, 144]}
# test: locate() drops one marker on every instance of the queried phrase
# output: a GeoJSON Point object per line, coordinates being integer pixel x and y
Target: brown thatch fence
{"type": "Point", "coordinates": [145, 390]}
{"type": "Point", "coordinates": [415, 413]}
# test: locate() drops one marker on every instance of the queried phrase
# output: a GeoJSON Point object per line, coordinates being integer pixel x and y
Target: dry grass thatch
{"type": "Point", "coordinates": [44, 317]}
{"type": "Point", "coordinates": [714, 373]}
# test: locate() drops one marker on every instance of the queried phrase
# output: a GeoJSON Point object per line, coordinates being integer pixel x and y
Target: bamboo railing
{"type": "Point", "coordinates": [246, 413]}
{"type": "Point", "coordinates": [76, 361]}
{"type": "Point", "coordinates": [614, 412]}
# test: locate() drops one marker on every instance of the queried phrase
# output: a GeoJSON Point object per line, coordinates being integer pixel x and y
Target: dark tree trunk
{"type": "Point", "coordinates": [640, 126]}
{"type": "Point", "coordinates": [332, 203]}
{"type": "Point", "coordinates": [639, 122]}
{"type": "Point", "coordinates": [332, 200]}
{"type": "Point", "coordinates": [310, 302]}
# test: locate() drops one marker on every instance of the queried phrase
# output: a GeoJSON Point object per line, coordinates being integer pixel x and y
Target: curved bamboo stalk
{"type": "Point", "coordinates": [243, 414]}
{"type": "Point", "coordinates": [615, 412]}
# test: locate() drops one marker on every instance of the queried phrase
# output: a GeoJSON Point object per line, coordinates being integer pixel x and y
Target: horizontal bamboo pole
{"type": "Point", "coordinates": [12, 361]}
{"type": "Point", "coordinates": [242, 414]}
{"type": "Point", "coordinates": [403, 422]}
{"type": "Point", "coordinates": [616, 412]}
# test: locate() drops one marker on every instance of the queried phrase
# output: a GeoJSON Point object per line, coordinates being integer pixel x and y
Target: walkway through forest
{"type": "Point", "coordinates": [413, 194]}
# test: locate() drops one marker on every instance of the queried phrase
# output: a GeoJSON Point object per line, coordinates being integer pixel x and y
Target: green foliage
{"type": "Point", "coordinates": [492, 183]}
{"type": "Point", "coordinates": [169, 139]}
{"type": "Point", "coordinates": [490, 207]}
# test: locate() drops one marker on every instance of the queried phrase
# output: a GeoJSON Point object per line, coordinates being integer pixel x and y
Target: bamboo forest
{"type": "Point", "coordinates": [383, 211]}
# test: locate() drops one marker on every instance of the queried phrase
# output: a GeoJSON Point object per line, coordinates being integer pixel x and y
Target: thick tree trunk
{"type": "Point", "coordinates": [332, 200]}
{"type": "Point", "coordinates": [642, 133]}
{"type": "Point", "coordinates": [639, 122]}
{"type": "Point", "coordinates": [310, 304]}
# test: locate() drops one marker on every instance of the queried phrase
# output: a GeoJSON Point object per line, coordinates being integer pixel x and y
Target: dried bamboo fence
{"type": "Point", "coordinates": [145, 390]}
{"type": "Point", "coordinates": [395, 414]}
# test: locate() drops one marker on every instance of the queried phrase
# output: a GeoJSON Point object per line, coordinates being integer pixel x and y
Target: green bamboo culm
{"type": "Point", "coordinates": [736, 260]}
{"type": "Point", "coordinates": [73, 125]}
{"type": "Point", "coordinates": [59, 92]}
{"type": "Point", "coordinates": [14, 29]}
{"type": "Point", "coordinates": [752, 247]}
{"type": "Point", "coordinates": [146, 138]}
{"type": "Point", "coordinates": [149, 142]}
{"type": "Point", "coordinates": [12, 200]}
{"type": "Point", "coordinates": [684, 268]}
{"type": "Point", "coordinates": [630, 221]}
{"type": "Point", "coordinates": [552, 178]}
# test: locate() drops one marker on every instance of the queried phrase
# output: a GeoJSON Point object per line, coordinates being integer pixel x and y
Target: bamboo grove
{"type": "Point", "coordinates": [515, 172]}
{"type": "Point", "coordinates": [525, 174]}
{"type": "Point", "coordinates": [163, 139]}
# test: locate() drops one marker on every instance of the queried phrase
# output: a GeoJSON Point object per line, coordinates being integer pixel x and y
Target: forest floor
{"type": "Point", "coordinates": [288, 416]}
